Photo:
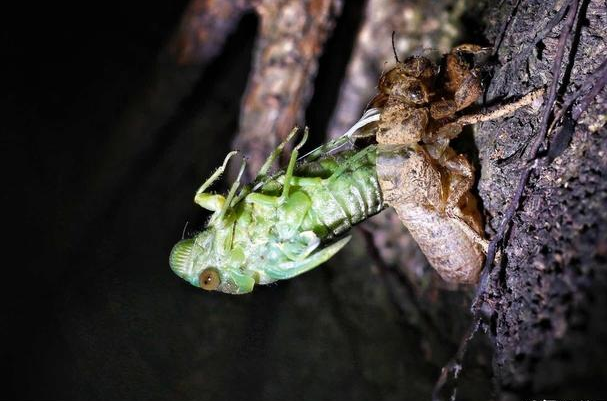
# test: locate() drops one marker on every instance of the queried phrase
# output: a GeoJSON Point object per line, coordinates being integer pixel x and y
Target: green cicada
{"type": "Point", "coordinates": [284, 224]}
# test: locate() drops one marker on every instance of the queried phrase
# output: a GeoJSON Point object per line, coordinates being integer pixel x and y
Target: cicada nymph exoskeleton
{"type": "Point", "coordinates": [426, 181]}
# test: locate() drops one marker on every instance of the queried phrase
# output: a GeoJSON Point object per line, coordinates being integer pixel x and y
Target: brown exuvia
{"type": "Point", "coordinates": [421, 176]}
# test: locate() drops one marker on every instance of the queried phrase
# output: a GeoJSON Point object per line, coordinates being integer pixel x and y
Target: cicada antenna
{"type": "Point", "coordinates": [394, 47]}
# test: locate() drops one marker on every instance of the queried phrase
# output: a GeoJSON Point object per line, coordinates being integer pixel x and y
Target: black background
{"type": "Point", "coordinates": [91, 307]}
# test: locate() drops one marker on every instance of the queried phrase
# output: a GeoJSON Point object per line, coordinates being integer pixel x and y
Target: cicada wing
{"type": "Point", "coordinates": [370, 116]}
{"type": "Point", "coordinates": [325, 149]}
{"type": "Point", "coordinates": [286, 270]}
{"type": "Point", "coordinates": [300, 246]}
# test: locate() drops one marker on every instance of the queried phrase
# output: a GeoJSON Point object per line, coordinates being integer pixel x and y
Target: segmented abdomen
{"type": "Point", "coordinates": [344, 198]}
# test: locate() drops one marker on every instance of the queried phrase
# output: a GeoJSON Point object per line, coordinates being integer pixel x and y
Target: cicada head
{"type": "Point", "coordinates": [198, 261]}
{"type": "Point", "coordinates": [398, 83]}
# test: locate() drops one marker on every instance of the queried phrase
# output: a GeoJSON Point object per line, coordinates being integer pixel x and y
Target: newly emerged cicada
{"type": "Point", "coordinates": [281, 225]}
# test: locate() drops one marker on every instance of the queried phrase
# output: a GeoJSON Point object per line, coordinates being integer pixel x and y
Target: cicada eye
{"type": "Point", "coordinates": [209, 279]}
{"type": "Point", "coordinates": [416, 92]}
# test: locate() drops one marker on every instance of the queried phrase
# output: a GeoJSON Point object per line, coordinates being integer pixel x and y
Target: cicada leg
{"type": "Point", "coordinates": [259, 179]}
{"type": "Point", "coordinates": [274, 155]}
{"type": "Point", "coordinates": [212, 202]}
{"type": "Point", "coordinates": [226, 204]}
{"type": "Point", "coordinates": [291, 206]}
{"type": "Point", "coordinates": [292, 160]}
{"type": "Point", "coordinates": [458, 203]}
{"type": "Point", "coordinates": [269, 200]}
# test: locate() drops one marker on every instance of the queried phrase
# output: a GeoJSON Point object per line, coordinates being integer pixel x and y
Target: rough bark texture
{"type": "Point", "coordinates": [548, 295]}
{"type": "Point", "coordinates": [291, 39]}
{"type": "Point", "coordinates": [94, 310]}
